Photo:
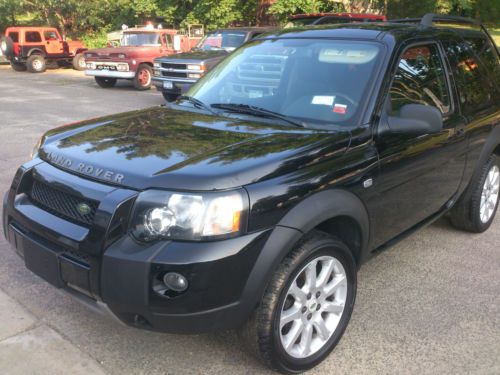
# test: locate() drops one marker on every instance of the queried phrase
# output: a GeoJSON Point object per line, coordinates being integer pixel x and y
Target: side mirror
{"type": "Point", "coordinates": [414, 119]}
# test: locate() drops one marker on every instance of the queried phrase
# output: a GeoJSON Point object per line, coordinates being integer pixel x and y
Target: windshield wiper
{"type": "Point", "coordinates": [257, 111]}
{"type": "Point", "coordinates": [197, 103]}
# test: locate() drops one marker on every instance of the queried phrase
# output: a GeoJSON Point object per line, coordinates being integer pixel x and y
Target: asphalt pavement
{"type": "Point", "coordinates": [429, 305]}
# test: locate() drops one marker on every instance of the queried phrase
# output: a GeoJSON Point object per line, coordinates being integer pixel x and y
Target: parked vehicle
{"type": "Point", "coordinates": [252, 202]}
{"type": "Point", "coordinates": [133, 60]}
{"type": "Point", "coordinates": [332, 18]}
{"type": "Point", "coordinates": [33, 48]}
{"type": "Point", "coordinates": [174, 74]}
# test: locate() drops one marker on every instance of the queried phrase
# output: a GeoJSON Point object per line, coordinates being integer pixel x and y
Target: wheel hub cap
{"type": "Point", "coordinates": [489, 195]}
{"type": "Point", "coordinates": [313, 307]}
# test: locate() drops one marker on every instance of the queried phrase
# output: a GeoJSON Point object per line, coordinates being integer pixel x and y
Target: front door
{"type": "Point", "coordinates": [53, 42]}
{"type": "Point", "coordinates": [418, 174]}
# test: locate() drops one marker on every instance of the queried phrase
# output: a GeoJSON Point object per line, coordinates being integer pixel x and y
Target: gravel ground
{"type": "Point", "coordinates": [428, 305]}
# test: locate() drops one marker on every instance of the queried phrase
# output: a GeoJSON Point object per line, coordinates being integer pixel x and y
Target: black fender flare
{"type": "Point", "coordinates": [36, 51]}
{"type": "Point", "coordinates": [301, 219]}
{"type": "Point", "coordinates": [492, 142]}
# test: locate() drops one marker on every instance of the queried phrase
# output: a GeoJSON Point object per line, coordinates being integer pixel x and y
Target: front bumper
{"type": "Point", "coordinates": [106, 269]}
{"type": "Point", "coordinates": [179, 85]}
{"type": "Point", "coordinates": [109, 73]}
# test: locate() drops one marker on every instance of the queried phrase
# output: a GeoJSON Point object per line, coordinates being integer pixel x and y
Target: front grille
{"type": "Point", "coordinates": [173, 66]}
{"type": "Point", "coordinates": [174, 74]}
{"type": "Point", "coordinates": [63, 204]}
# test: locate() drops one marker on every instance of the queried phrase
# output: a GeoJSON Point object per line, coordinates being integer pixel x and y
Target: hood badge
{"type": "Point", "coordinates": [83, 209]}
{"type": "Point", "coordinates": [87, 169]}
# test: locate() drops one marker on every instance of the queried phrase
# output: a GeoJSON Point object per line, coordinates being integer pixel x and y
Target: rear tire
{"type": "Point", "coordinates": [476, 209]}
{"type": "Point", "coordinates": [36, 64]}
{"type": "Point", "coordinates": [306, 306]}
{"type": "Point", "coordinates": [143, 77]}
{"type": "Point", "coordinates": [18, 67]}
{"type": "Point", "coordinates": [169, 97]}
{"type": "Point", "coordinates": [79, 62]}
{"type": "Point", "coordinates": [105, 82]}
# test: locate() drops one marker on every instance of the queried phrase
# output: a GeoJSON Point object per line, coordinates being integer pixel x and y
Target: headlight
{"type": "Point", "coordinates": [194, 75]}
{"type": "Point", "coordinates": [194, 67]}
{"type": "Point", "coordinates": [121, 56]}
{"type": "Point", "coordinates": [156, 64]}
{"type": "Point", "coordinates": [122, 67]}
{"type": "Point", "coordinates": [91, 66]}
{"type": "Point", "coordinates": [36, 148]}
{"type": "Point", "coordinates": [188, 216]}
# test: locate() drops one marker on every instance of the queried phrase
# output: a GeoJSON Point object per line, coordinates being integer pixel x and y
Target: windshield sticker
{"type": "Point", "coordinates": [323, 100]}
{"type": "Point", "coordinates": [341, 109]}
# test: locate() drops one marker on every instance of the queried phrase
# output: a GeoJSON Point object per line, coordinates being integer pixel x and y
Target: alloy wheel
{"type": "Point", "coordinates": [489, 195]}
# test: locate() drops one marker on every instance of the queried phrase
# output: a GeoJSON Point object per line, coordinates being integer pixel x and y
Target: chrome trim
{"type": "Point", "coordinates": [174, 79]}
{"type": "Point", "coordinates": [171, 70]}
{"type": "Point", "coordinates": [107, 73]}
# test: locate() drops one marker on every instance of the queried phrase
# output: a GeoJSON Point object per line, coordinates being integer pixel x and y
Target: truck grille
{"type": "Point", "coordinates": [171, 67]}
{"type": "Point", "coordinates": [62, 204]}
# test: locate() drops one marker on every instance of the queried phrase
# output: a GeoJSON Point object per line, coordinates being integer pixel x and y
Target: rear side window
{"type": "Point", "coordinates": [486, 52]}
{"type": "Point", "coordinates": [420, 79]}
{"type": "Point", "coordinates": [32, 37]}
{"type": "Point", "coordinates": [471, 82]}
{"type": "Point", "coordinates": [14, 35]}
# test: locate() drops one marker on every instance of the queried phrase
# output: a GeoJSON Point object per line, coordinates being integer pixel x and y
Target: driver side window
{"type": "Point", "coordinates": [420, 79]}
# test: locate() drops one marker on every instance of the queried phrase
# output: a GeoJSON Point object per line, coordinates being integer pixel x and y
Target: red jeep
{"type": "Point", "coordinates": [33, 48]}
{"type": "Point", "coordinates": [133, 60]}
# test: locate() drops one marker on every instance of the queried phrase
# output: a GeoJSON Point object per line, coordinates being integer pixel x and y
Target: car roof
{"type": "Point", "coordinates": [31, 28]}
{"type": "Point", "coordinates": [249, 28]}
{"type": "Point", "coordinates": [371, 30]}
{"type": "Point", "coordinates": [339, 15]}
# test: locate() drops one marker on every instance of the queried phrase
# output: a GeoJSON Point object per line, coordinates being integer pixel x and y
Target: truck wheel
{"type": "Point", "coordinates": [79, 62]}
{"type": "Point", "coordinates": [476, 209]}
{"type": "Point", "coordinates": [105, 82]}
{"type": "Point", "coordinates": [306, 306]}
{"type": "Point", "coordinates": [36, 64]}
{"type": "Point", "coordinates": [18, 67]}
{"type": "Point", "coordinates": [170, 97]}
{"type": "Point", "coordinates": [142, 79]}
{"type": "Point", "coordinates": [7, 46]}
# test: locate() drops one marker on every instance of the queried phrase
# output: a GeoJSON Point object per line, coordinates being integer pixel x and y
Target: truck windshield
{"type": "Point", "coordinates": [313, 81]}
{"type": "Point", "coordinates": [140, 39]}
{"type": "Point", "coordinates": [221, 40]}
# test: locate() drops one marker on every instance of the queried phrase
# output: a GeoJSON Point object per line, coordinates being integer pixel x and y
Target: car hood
{"type": "Point", "coordinates": [198, 55]}
{"type": "Point", "coordinates": [129, 51]}
{"type": "Point", "coordinates": [177, 149]}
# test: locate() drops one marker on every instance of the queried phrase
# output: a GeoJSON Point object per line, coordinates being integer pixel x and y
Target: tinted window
{"type": "Point", "coordinates": [486, 52]}
{"type": "Point", "coordinates": [33, 37]}
{"type": "Point", "coordinates": [420, 79]}
{"type": "Point", "coordinates": [227, 40]}
{"type": "Point", "coordinates": [50, 35]}
{"type": "Point", "coordinates": [14, 35]}
{"type": "Point", "coordinates": [317, 81]}
{"type": "Point", "coordinates": [473, 90]}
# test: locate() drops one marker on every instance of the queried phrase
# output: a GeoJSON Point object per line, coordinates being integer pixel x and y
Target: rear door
{"type": "Point", "coordinates": [418, 174]}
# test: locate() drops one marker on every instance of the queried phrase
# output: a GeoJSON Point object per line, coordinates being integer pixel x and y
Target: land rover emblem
{"type": "Point", "coordinates": [83, 209]}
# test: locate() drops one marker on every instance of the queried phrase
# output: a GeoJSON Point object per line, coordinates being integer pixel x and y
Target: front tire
{"type": "Point", "coordinates": [476, 209]}
{"type": "Point", "coordinates": [143, 77]}
{"type": "Point", "coordinates": [306, 307]}
{"type": "Point", "coordinates": [170, 97]}
{"type": "Point", "coordinates": [105, 82]}
{"type": "Point", "coordinates": [79, 62]}
{"type": "Point", "coordinates": [36, 64]}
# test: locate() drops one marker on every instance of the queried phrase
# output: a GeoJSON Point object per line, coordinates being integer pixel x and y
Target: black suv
{"type": "Point", "coordinates": [252, 202]}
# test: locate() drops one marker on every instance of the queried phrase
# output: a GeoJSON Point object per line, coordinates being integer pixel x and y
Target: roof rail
{"type": "Point", "coordinates": [428, 19]}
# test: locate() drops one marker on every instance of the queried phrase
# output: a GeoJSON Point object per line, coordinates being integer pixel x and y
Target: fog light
{"type": "Point", "coordinates": [194, 75]}
{"type": "Point", "coordinates": [175, 281]}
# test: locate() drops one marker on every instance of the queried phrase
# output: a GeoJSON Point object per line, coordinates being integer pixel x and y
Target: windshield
{"type": "Point", "coordinates": [315, 81]}
{"type": "Point", "coordinates": [140, 39]}
{"type": "Point", "coordinates": [226, 40]}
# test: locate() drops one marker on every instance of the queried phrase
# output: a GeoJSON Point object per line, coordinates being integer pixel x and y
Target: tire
{"type": "Point", "coordinates": [36, 64]}
{"type": "Point", "coordinates": [105, 82]}
{"type": "Point", "coordinates": [143, 77]}
{"type": "Point", "coordinates": [79, 62]}
{"type": "Point", "coordinates": [7, 47]}
{"type": "Point", "coordinates": [263, 333]}
{"type": "Point", "coordinates": [469, 213]}
{"type": "Point", "coordinates": [18, 67]}
{"type": "Point", "coordinates": [170, 97]}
